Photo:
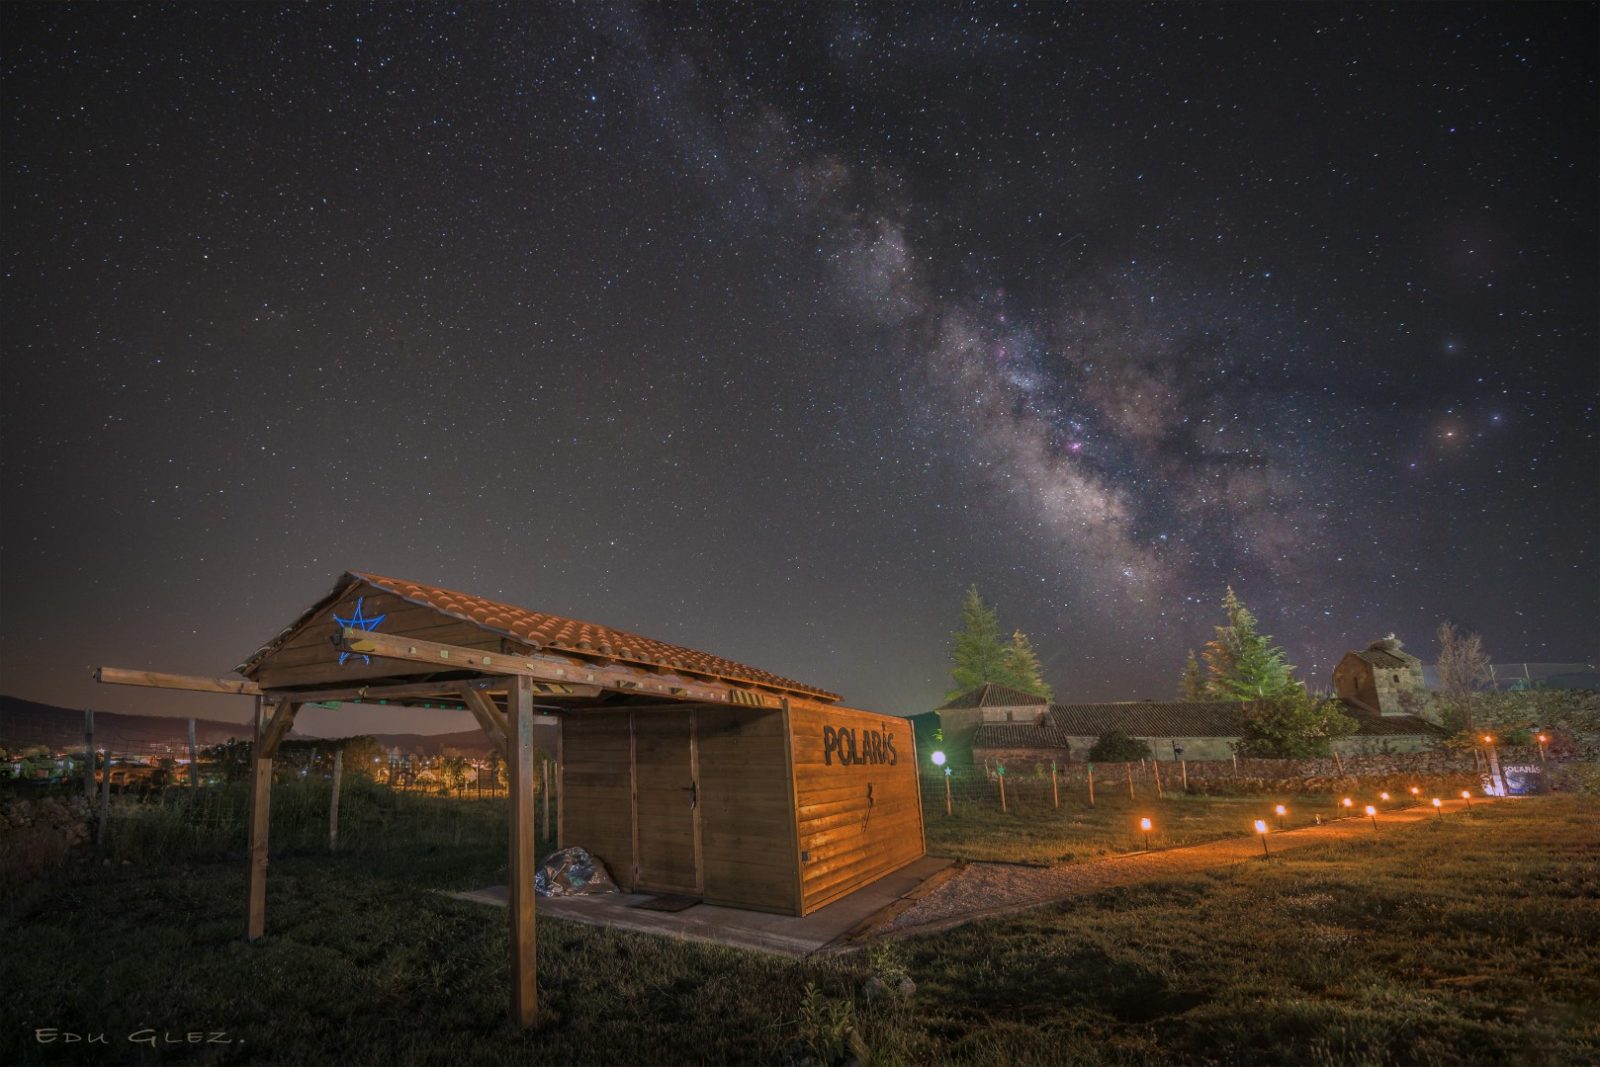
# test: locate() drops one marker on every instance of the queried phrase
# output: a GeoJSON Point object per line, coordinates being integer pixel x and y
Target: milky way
{"type": "Point", "coordinates": [769, 331]}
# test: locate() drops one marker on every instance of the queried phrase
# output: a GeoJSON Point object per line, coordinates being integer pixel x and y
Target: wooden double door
{"type": "Point", "coordinates": [665, 763]}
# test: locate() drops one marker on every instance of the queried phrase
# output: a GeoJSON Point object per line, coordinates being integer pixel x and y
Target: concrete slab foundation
{"type": "Point", "coordinates": [827, 929]}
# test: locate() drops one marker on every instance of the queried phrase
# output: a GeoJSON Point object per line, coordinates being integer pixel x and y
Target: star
{"type": "Point", "coordinates": [358, 621]}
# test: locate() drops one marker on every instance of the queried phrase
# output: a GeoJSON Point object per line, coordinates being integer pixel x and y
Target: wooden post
{"type": "Point", "coordinates": [519, 751]}
{"type": "Point", "coordinates": [1183, 765]}
{"type": "Point", "coordinates": [947, 808]}
{"type": "Point", "coordinates": [544, 787]}
{"type": "Point", "coordinates": [88, 754]}
{"type": "Point", "coordinates": [1155, 770]}
{"type": "Point", "coordinates": [267, 736]}
{"type": "Point", "coordinates": [1236, 764]}
{"type": "Point", "coordinates": [194, 762]}
{"type": "Point", "coordinates": [333, 803]}
{"type": "Point", "coordinates": [1339, 763]}
{"type": "Point", "coordinates": [1129, 766]}
{"type": "Point", "coordinates": [105, 801]}
{"type": "Point", "coordinates": [1055, 788]}
{"type": "Point", "coordinates": [1002, 778]}
{"type": "Point", "coordinates": [1091, 783]}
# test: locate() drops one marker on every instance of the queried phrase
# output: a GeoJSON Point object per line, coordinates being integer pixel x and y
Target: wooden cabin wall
{"type": "Point", "coordinates": [597, 803]}
{"type": "Point", "coordinates": [746, 810]}
{"type": "Point", "coordinates": [845, 842]}
{"type": "Point", "coordinates": [310, 655]}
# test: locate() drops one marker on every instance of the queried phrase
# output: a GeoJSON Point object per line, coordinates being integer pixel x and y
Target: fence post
{"type": "Point", "coordinates": [333, 804]}
{"type": "Point", "coordinates": [1002, 777]}
{"type": "Point", "coordinates": [1155, 770]}
{"type": "Point", "coordinates": [948, 810]}
{"type": "Point", "coordinates": [1129, 766]}
{"type": "Point", "coordinates": [1091, 783]}
{"type": "Point", "coordinates": [1183, 765]}
{"type": "Point", "coordinates": [1339, 763]}
{"type": "Point", "coordinates": [1236, 764]}
{"type": "Point", "coordinates": [88, 754]}
{"type": "Point", "coordinates": [105, 801]}
{"type": "Point", "coordinates": [1055, 788]}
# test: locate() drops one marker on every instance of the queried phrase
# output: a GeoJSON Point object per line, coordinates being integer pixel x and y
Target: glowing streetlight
{"type": "Point", "coordinates": [1438, 806]}
{"type": "Point", "coordinates": [1261, 828]}
{"type": "Point", "coordinates": [1372, 813]}
{"type": "Point", "coordinates": [1280, 811]}
{"type": "Point", "coordinates": [1466, 794]}
{"type": "Point", "coordinates": [1144, 824]}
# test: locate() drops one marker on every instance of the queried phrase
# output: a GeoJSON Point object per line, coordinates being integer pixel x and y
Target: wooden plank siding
{"type": "Point", "coordinates": [746, 818]}
{"type": "Point", "coordinates": [313, 644]}
{"type": "Point", "coordinates": [846, 840]}
{"type": "Point", "coordinates": [597, 797]}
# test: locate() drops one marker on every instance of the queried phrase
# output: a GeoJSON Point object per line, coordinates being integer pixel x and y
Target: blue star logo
{"type": "Point", "coordinates": [358, 621]}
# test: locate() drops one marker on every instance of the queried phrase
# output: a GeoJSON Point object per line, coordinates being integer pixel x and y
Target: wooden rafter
{"type": "Point", "coordinates": [188, 682]}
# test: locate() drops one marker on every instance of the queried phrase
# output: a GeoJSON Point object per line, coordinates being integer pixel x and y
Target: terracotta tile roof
{"type": "Point", "coordinates": [1017, 735]}
{"type": "Point", "coordinates": [1150, 718]}
{"type": "Point", "coordinates": [566, 636]}
{"type": "Point", "coordinates": [991, 695]}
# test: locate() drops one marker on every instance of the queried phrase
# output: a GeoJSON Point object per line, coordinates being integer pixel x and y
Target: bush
{"type": "Point", "coordinates": [1114, 746]}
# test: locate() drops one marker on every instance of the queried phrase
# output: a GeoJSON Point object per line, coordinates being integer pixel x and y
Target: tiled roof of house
{"type": "Point", "coordinates": [1390, 725]}
{"type": "Point", "coordinates": [992, 695]}
{"type": "Point", "coordinates": [567, 636]}
{"type": "Point", "coordinates": [1380, 658]}
{"type": "Point", "coordinates": [1150, 718]}
{"type": "Point", "coordinates": [1017, 735]}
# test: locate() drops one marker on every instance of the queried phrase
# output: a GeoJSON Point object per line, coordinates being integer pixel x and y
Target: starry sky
{"type": "Point", "coordinates": [768, 331]}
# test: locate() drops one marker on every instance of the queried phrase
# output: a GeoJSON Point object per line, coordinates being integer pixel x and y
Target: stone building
{"type": "Point", "coordinates": [990, 702]}
{"type": "Point", "coordinates": [1019, 747]}
{"type": "Point", "coordinates": [1380, 679]}
{"type": "Point", "coordinates": [1174, 729]}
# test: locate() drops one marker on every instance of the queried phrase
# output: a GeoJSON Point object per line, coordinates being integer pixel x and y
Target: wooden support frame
{"type": "Point", "coordinates": [395, 693]}
{"type": "Point", "coordinates": [267, 737]}
{"type": "Point", "coordinates": [582, 678]}
{"type": "Point", "coordinates": [189, 682]}
{"type": "Point", "coordinates": [489, 718]}
{"type": "Point", "coordinates": [524, 973]}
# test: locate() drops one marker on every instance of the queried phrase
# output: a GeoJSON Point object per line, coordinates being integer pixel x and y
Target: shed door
{"type": "Point", "coordinates": [666, 802]}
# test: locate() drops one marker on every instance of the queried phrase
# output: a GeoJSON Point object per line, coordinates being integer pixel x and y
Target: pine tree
{"type": "Point", "coordinates": [1242, 663]}
{"type": "Point", "coordinates": [977, 654]}
{"type": "Point", "coordinates": [1022, 667]}
{"type": "Point", "coordinates": [1193, 684]}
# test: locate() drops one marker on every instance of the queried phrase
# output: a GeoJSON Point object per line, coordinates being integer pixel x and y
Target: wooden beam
{"type": "Point", "coordinates": [551, 670]}
{"type": "Point", "coordinates": [260, 808]}
{"type": "Point", "coordinates": [524, 975]}
{"type": "Point", "coordinates": [190, 682]}
{"type": "Point", "coordinates": [275, 732]}
{"type": "Point", "coordinates": [480, 707]}
{"type": "Point", "coordinates": [370, 693]}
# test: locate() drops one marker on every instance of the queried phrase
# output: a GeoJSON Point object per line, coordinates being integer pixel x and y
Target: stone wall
{"type": "Point", "coordinates": [36, 834]}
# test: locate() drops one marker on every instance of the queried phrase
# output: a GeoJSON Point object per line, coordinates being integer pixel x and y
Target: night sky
{"type": "Point", "coordinates": [766, 332]}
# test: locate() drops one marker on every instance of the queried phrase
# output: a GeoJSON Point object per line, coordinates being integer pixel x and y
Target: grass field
{"type": "Point", "coordinates": [1473, 939]}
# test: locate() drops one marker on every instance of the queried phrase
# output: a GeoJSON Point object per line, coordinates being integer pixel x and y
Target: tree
{"type": "Point", "coordinates": [1244, 664]}
{"type": "Point", "coordinates": [1022, 666]}
{"type": "Point", "coordinates": [1463, 670]}
{"type": "Point", "coordinates": [977, 655]}
{"type": "Point", "coordinates": [1114, 746]}
{"type": "Point", "coordinates": [1193, 684]}
{"type": "Point", "coordinates": [1292, 724]}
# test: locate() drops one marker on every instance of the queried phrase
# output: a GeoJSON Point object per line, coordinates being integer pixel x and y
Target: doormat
{"type": "Point", "coordinates": [667, 903]}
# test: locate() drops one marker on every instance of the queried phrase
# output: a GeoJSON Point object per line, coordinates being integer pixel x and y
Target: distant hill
{"type": "Point", "coordinates": [25, 722]}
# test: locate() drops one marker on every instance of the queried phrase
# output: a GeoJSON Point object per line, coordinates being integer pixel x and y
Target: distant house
{"type": "Point", "coordinates": [1177, 729]}
{"type": "Point", "coordinates": [990, 702]}
{"type": "Point", "coordinates": [1380, 679]}
{"type": "Point", "coordinates": [1019, 747]}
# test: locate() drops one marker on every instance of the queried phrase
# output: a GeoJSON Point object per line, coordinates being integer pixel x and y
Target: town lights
{"type": "Point", "coordinates": [1261, 828]}
{"type": "Point", "coordinates": [1372, 813]}
{"type": "Point", "coordinates": [1144, 824]}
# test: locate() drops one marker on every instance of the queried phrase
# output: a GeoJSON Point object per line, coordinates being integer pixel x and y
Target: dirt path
{"type": "Point", "coordinates": [984, 889]}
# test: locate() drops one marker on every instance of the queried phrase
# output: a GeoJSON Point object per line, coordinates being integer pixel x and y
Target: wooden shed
{"type": "Point", "coordinates": [684, 772]}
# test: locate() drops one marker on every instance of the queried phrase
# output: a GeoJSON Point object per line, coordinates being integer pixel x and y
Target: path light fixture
{"type": "Point", "coordinates": [1416, 795]}
{"type": "Point", "coordinates": [1347, 804]}
{"type": "Point", "coordinates": [1438, 807]}
{"type": "Point", "coordinates": [938, 759]}
{"type": "Point", "coordinates": [1280, 811]}
{"type": "Point", "coordinates": [1466, 794]}
{"type": "Point", "coordinates": [1372, 813]}
{"type": "Point", "coordinates": [1144, 824]}
{"type": "Point", "coordinates": [1383, 796]}
{"type": "Point", "coordinates": [1261, 828]}
{"type": "Point", "coordinates": [1544, 739]}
